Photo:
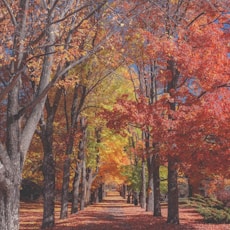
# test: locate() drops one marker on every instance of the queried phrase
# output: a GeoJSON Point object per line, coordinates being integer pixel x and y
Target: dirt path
{"type": "Point", "coordinates": [115, 214]}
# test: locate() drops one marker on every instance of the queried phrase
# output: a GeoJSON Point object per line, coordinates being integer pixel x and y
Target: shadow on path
{"type": "Point", "coordinates": [113, 214]}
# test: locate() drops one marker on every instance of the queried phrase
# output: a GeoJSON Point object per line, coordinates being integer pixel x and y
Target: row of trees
{"type": "Point", "coordinates": [181, 77]}
{"type": "Point", "coordinates": [47, 43]}
{"type": "Point", "coordinates": [55, 57]}
{"type": "Point", "coordinates": [93, 160]}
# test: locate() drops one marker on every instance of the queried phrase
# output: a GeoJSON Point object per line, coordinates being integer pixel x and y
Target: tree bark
{"type": "Point", "coordinates": [9, 203]}
{"type": "Point", "coordinates": [48, 166]}
{"type": "Point", "coordinates": [124, 191]}
{"type": "Point", "coordinates": [78, 101]}
{"type": "Point", "coordinates": [89, 181]}
{"type": "Point", "coordinates": [101, 192]}
{"type": "Point", "coordinates": [97, 195]}
{"type": "Point", "coordinates": [11, 156]}
{"type": "Point", "coordinates": [48, 169]}
{"type": "Point", "coordinates": [80, 173]}
{"type": "Point", "coordinates": [143, 186]}
{"type": "Point", "coordinates": [66, 175]}
{"type": "Point", "coordinates": [173, 207]}
{"type": "Point", "coordinates": [76, 184]}
{"type": "Point", "coordinates": [65, 188]}
{"type": "Point", "coordinates": [10, 167]}
{"type": "Point", "coordinates": [156, 178]}
{"type": "Point", "coordinates": [150, 190]}
{"type": "Point", "coordinates": [83, 186]}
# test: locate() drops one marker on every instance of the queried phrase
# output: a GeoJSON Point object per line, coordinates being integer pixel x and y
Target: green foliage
{"type": "Point", "coordinates": [133, 175]}
{"type": "Point", "coordinates": [92, 151]}
{"type": "Point", "coordinates": [213, 210]}
{"type": "Point", "coordinates": [164, 181]}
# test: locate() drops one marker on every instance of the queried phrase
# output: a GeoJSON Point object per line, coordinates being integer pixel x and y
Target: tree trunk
{"type": "Point", "coordinates": [83, 186]}
{"type": "Point", "coordinates": [48, 169]}
{"type": "Point", "coordinates": [156, 178]}
{"type": "Point", "coordinates": [78, 178]}
{"type": "Point", "coordinates": [89, 177]}
{"type": "Point", "coordinates": [10, 167]}
{"type": "Point", "coordinates": [76, 184]}
{"type": "Point", "coordinates": [11, 156]}
{"type": "Point", "coordinates": [173, 207]}
{"type": "Point", "coordinates": [9, 203]}
{"type": "Point", "coordinates": [101, 193]}
{"type": "Point", "coordinates": [150, 197]}
{"type": "Point", "coordinates": [129, 196]}
{"type": "Point", "coordinates": [124, 191]}
{"type": "Point", "coordinates": [97, 195]}
{"type": "Point", "coordinates": [143, 186]}
{"type": "Point", "coordinates": [65, 188]}
{"type": "Point", "coordinates": [78, 101]}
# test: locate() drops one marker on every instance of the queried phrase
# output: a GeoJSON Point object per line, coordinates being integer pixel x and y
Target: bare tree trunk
{"type": "Point", "coordinates": [92, 196]}
{"type": "Point", "coordinates": [83, 186]}
{"type": "Point", "coordinates": [78, 101]}
{"type": "Point", "coordinates": [10, 165]}
{"type": "Point", "coordinates": [150, 190]}
{"type": "Point", "coordinates": [48, 169]}
{"type": "Point", "coordinates": [48, 166]}
{"type": "Point", "coordinates": [89, 181]}
{"type": "Point", "coordinates": [76, 184]}
{"type": "Point", "coordinates": [9, 203]}
{"type": "Point", "coordinates": [80, 173]}
{"type": "Point", "coordinates": [101, 192]}
{"type": "Point", "coordinates": [143, 186]}
{"type": "Point", "coordinates": [97, 195]}
{"type": "Point", "coordinates": [173, 207]}
{"type": "Point", "coordinates": [123, 191]}
{"type": "Point", "coordinates": [11, 156]}
{"type": "Point", "coordinates": [156, 178]}
{"type": "Point", "coordinates": [65, 188]}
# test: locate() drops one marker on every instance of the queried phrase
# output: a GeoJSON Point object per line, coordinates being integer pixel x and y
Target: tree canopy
{"type": "Point", "coordinates": [111, 87]}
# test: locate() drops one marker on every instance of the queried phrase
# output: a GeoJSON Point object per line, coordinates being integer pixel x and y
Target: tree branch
{"type": "Point", "coordinates": [11, 84]}
{"type": "Point", "coordinates": [13, 19]}
{"type": "Point", "coordinates": [199, 15]}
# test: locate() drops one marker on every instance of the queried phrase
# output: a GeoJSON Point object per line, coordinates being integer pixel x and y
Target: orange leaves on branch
{"type": "Point", "coordinates": [203, 53]}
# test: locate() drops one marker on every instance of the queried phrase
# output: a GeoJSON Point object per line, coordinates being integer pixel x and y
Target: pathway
{"type": "Point", "coordinates": [115, 214]}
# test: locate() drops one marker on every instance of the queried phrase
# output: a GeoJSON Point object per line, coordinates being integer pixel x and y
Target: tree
{"type": "Point", "coordinates": [35, 40]}
{"type": "Point", "coordinates": [48, 164]}
{"type": "Point", "coordinates": [89, 81]}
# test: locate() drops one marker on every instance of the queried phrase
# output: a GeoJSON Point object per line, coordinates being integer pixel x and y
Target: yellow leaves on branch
{"type": "Point", "coordinates": [112, 157]}
{"type": "Point", "coordinates": [70, 81]}
{"type": "Point", "coordinates": [174, 1]}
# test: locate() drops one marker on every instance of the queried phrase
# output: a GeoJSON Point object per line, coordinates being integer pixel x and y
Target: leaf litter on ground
{"type": "Point", "coordinates": [114, 213]}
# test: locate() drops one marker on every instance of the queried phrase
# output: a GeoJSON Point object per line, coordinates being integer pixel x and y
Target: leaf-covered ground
{"type": "Point", "coordinates": [114, 214]}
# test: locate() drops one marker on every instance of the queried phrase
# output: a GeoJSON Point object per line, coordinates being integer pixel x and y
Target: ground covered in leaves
{"type": "Point", "coordinates": [113, 214]}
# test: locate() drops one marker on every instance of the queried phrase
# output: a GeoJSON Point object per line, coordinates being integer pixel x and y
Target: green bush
{"type": "Point", "coordinates": [213, 210]}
